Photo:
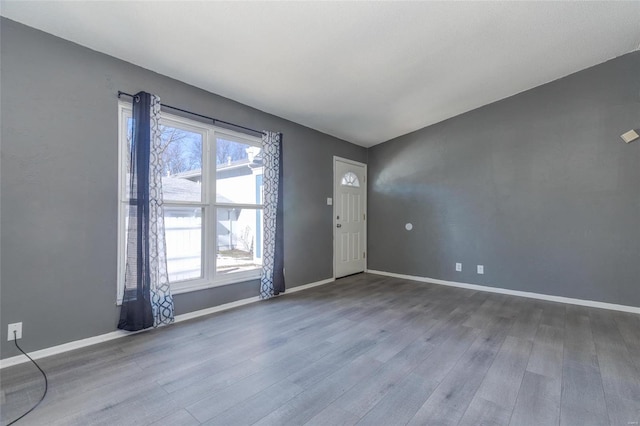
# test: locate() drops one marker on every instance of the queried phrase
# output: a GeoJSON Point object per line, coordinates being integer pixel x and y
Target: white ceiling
{"type": "Point", "coordinates": [365, 72]}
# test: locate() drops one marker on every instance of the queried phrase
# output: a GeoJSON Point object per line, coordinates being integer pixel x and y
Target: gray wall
{"type": "Point", "coordinates": [538, 187]}
{"type": "Point", "coordinates": [59, 187]}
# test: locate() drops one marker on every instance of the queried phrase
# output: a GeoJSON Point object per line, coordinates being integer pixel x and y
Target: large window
{"type": "Point", "coordinates": [212, 194]}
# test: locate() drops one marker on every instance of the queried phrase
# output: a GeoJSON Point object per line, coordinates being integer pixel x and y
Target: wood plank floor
{"type": "Point", "coordinates": [363, 350]}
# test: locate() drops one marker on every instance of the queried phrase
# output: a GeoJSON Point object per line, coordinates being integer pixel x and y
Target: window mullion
{"type": "Point", "coordinates": [183, 204]}
{"type": "Point", "coordinates": [211, 250]}
{"type": "Point", "coordinates": [240, 206]}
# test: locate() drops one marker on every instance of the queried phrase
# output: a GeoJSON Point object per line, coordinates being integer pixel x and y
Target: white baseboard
{"type": "Point", "coordinates": [306, 286]}
{"type": "Point", "coordinates": [548, 297]}
{"type": "Point", "coordinates": [65, 347]}
{"type": "Point", "coordinates": [77, 344]}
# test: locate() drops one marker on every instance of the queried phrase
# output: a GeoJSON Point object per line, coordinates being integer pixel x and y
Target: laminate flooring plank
{"type": "Point", "coordinates": [86, 400]}
{"type": "Point", "coordinates": [235, 320]}
{"type": "Point", "coordinates": [309, 403]}
{"type": "Point", "coordinates": [308, 340]}
{"type": "Point", "coordinates": [151, 406]}
{"type": "Point", "coordinates": [358, 328]}
{"type": "Point", "coordinates": [252, 409]}
{"type": "Point", "coordinates": [553, 314]}
{"type": "Point", "coordinates": [629, 327]}
{"type": "Point", "coordinates": [181, 378]}
{"type": "Point", "coordinates": [619, 375]}
{"type": "Point", "coordinates": [578, 339]}
{"type": "Point", "coordinates": [214, 403]}
{"type": "Point", "coordinates": [452, 317]}
{"type": "Point", "coordinates": [80, 361]}
{"type": "Point", "coordinates": [16, 402]}
{"type": "Point", "coordinates": [582, 400]}
{"type": "Point", "coordinates": [606, 333]}
{"type": "Point", "coordinates": [319, 370]}
{"type": "Point", "coordinates": [538, 401]}
{"type": "Point", "coordinates": [623, 411]}
{"type": "Point", "coordinates": [278, 321]}
{"type": "Point", "coordinates": [485, 413]}
{"type": "Point", "coordinates": [502, 382]}
{"type": "Point", "coordinates": [451, 323]}
{"type": "Point", "coordinates": [449, 401]}
{"type": "Point", "coordinates": [198, 387]}
{"type": "Point", "coordinates": [251, 371]}
{"type": "Point", "coordinates": [211, 370]}
{"type": "Point", "coordinates": [200, 349]}
{"type": "Point", "coordinates": [513, 307]}
{"type": "Point", "coordinates": [618, 370]}
{"type": "Point", "coordinates": [582, 417]}
{"type": "Point", "coordinates": [179, 418]}
{"type": "Point", "coordinates": [393, 343]}
{"type": "Point", "coordinates": [547, 352]}
{"type": "Point", "coordinates": [446, 354]}
{"type": "Point", "coordinates": [401, 403]}
{"type": "Point", "coordinates": [454, 307]}
{"type": "Point", "coordinates": [582, 392]}
{"type": "Point", "coordinates": [366, 394]}
{"type": "Point", "coordinates": [222, 400]}
{"type": "Point", "coordinates": [79, 382]}
{"type": "Point", "coordinates": [526, 322]}
{"type": "Point", "coordinates": [227, 352]}
{"type": "Point", "coordinates": [486, 313]}
{"type": "Point", "coordinates": [333, 416]}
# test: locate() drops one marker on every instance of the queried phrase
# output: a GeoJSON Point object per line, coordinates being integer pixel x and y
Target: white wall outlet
{"type": "Point", "coordinates": [329, 201]}
{"type": "Point", "coordinates": [630, 136]}
{"type": "Point", "coordinates": [480, 269]}
{"type": "Point", "coordinates": [458, 267]}
{"type": "Point", "coordinates": [17, 327]}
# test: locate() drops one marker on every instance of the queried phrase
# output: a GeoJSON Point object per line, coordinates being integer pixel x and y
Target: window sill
{"type": "Point", "coordinates": [188, 287]}
{"type": "Point", "coordinates": [219, 282]}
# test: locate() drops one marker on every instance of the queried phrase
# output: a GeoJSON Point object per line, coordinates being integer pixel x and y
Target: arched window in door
{"type": "Point", "coordinates": [350, 179]}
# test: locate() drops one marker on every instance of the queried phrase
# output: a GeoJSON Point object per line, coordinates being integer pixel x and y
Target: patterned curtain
{"type": "Point", "coordinates": [272, 282]}
{"type": "Point", "coordinates": [147, 300]}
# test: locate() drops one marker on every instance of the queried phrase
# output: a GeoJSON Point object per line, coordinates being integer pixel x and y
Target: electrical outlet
{"type": "Point", "coordinates": [17, 327]}
{"type": "Point", "coordinates": [458, 267]}
{"type": "Point", "coordinates": [480, 269]}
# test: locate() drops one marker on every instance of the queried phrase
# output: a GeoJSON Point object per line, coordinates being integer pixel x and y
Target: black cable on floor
{"type": "Point", "coordinates": [46, 382]}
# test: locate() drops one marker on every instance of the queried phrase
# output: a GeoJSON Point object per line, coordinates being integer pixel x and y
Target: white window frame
{"type": "Point", "coordinates": [208, 202]}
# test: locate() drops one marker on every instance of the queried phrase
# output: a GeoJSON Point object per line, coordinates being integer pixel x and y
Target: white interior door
{"type": "Point", "coordinates": [349, 218]}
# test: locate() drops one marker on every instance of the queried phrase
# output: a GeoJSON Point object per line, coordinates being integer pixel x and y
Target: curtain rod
{"type": "Point", "coordinates": [214, 120]}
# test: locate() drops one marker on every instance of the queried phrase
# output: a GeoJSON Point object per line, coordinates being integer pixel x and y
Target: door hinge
{"type": "Point", "coordinates": [364, 255]}
{"type": "Point", "coordinates": [364, 216]}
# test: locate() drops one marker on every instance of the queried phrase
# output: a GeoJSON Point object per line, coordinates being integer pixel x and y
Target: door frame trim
{"type": "Point", "coordinates": [333, 210]}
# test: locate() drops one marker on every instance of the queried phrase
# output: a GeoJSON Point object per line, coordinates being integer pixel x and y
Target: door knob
{"type": "Point", "coordinates": [338, 226]}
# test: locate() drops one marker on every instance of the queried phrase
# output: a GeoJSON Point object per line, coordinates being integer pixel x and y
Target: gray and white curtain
{"type": "Point", "coordinates": [272, 282]}
{"type": "Point", "coordinates": [147, 300]}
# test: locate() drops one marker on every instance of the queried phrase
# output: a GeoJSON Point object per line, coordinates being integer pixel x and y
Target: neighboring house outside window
{"type": "Point", "coordinates": [212, 195]}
